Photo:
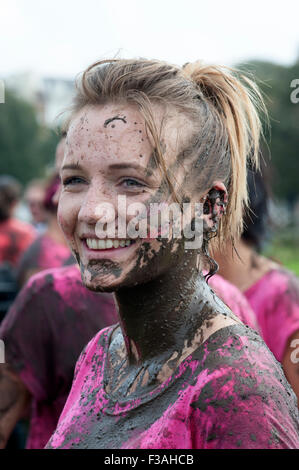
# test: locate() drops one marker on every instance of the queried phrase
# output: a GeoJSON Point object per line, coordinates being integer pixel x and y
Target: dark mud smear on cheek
{"type": "Point", "coordinates": [98, 268]}
{"type": "Point", "coordinates": [102, 268]}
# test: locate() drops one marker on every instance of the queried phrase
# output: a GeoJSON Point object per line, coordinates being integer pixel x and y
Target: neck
{"type": "Point", "coordinates": [242, 267]}
{"type": "Point", "coordinates": [156, 318]}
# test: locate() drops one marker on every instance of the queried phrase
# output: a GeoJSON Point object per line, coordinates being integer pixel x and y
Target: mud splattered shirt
{"type": "Point", "coordinates": [230, 393]}
{"type": "Point", "coordinates": [52, 319]}
{"type": "Point", "coordinates": [275, 301]}
{"type": "Point", "coordinates": [15, 237]}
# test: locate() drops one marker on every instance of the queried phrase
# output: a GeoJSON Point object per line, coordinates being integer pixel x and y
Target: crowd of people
{"type": "Point", "coordinates": [145, 344]}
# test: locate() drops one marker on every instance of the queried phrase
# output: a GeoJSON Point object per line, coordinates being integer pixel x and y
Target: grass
{"type": "Point", "coordinates": [284, 248]}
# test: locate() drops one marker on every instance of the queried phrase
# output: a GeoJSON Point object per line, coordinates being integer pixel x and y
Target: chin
{"type": "Point", "coordinates": [100, 288]}
{"type": "Point", "coordinates": [100, 283]}
{"type": "Point", "coordinates": [107, 275]}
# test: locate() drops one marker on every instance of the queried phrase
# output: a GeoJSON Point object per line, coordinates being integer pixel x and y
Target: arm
{"type": "Point", "coordinates": [290, 362]}
{"type": "Point", "coordinates": [14, 400]}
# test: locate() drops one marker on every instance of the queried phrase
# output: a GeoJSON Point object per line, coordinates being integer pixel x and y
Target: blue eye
{"type": "Point", "coordinates": [131, 183]}
{"type": "Point", "coordinates": [72, 180]}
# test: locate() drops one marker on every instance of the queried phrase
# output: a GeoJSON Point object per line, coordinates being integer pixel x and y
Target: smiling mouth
{"type": "Point", "coordinates": [107, 244]}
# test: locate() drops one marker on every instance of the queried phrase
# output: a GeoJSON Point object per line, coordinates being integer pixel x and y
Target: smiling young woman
{"type": "Point", "coordinates": [179, 370]}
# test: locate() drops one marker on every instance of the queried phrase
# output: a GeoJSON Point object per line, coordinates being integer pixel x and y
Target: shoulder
{"type": "Point", "coordinates": [240, 347]}
{"type": "Point", "coordinates": [282, 299]}
{"type": "Point", "coordinates": [68, 284]}
{"type": "Point", "coordinates": [238, 357]}
{"type": "Point", "coordinates": [226, 290]}
{"type": "Point", "coordinates": [52, 278]}
{"type": "Point", "coordinates": [43, 280]}
{"type": "Point", "coordinates": [278, 281]}
{"type": "Point", "coordinates": [291, 284]}
{"type": "Point", "coordinates": [66, 274]}
{"type": "Point", "coordinates": [235, 300]}
{"type": "Point", "coordinates": [275, 300]}
{"type": "Point", "coordinates": [241, 389]}
{"type": "Point", "coordinates": [233, 345]}
{"type": "Point", "coordinates": [34, 299]}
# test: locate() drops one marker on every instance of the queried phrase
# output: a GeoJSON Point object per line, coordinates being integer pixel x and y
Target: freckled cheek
{"type": "Point", "coordinates": [67, 217]}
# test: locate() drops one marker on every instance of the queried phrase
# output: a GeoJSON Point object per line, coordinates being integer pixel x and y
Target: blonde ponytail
{"type": "Point", "coordinates": [237, 102]}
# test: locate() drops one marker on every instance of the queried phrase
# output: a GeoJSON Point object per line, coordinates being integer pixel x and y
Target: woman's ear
{"type": "Point", "coordinates": [214, 205]}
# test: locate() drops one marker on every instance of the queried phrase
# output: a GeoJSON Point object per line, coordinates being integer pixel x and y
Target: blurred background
{"type": "Point", "coordinates": [44, 45]}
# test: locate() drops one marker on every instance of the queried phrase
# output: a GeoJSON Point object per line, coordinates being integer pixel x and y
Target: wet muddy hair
{"type": "Point", "coordinates": [256, 219]}
{"type": "Point", "coordinates": [223, 110]}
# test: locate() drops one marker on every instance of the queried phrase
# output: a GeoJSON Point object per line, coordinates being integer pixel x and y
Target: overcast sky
{"type": "Point", "coordinates": [59, 38]}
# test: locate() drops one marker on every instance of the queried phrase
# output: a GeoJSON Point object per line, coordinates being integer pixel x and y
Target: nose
{"type": "Point", "coordinates": [96, 205]}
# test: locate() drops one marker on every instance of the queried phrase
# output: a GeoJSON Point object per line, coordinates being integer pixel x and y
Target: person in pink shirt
{"type": "Point", "coordinates": [52, 319]}
{"type": "Point", "coordinates": [234, 299]}
{"type": "Point", "coordinates": [44, 253]}
{"type": "Point", "coordinates": [179, 369]}
{"type": "Point", "coordinates": [200, 406]}
{"type": "Point", "coordinates": [49, 250]}
{"type": "Point", "coordinates": [271, 290]}
{"type": "Point", "coordinates": [64, 316]}
{"type": "Point", "coordinates": [15, 235]}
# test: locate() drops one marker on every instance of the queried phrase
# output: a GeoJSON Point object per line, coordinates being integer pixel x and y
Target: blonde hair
{"type": "Point", "coordinates": [222, 106]}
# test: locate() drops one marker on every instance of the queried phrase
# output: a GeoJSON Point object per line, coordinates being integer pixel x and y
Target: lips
{"type": "Point", "coordinates": [106, 244]}
{"type": "Point", "coordinates": [119, 254]}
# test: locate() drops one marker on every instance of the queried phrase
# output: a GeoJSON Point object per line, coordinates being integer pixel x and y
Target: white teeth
{"type": "Point", "coordinates": [102, 244]}
{"type": "Point", "coordinates": [109, 243]}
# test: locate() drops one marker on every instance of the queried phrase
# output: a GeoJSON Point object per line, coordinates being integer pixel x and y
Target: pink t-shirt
{"type": "Point", "coordinates": [44, 253]}
{"type": "Point", "coordinates": [234, 299]}
{"type": "Point", "coordinates": [45, 330]}
{"type": "Point", "coordinates": [275, 301]}
{"type": "Point", "coordinates": [230, 393]}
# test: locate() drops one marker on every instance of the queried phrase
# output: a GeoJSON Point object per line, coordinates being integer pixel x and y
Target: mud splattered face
{"type": "Point", "coordinates": [108, 154]}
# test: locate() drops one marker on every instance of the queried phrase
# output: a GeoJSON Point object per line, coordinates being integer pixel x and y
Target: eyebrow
{"type": "Point", "coordinates": [135, 166]}
{"type": "Point", "coordinates": [72, 166]}
{"type": "Point", "coordinates": [113, 166]}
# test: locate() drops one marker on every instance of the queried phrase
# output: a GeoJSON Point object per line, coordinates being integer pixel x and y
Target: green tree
{"type": "Point", "coordinates": [26, 147]}
{"type": "Point", "coordinates": [275, 83]}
